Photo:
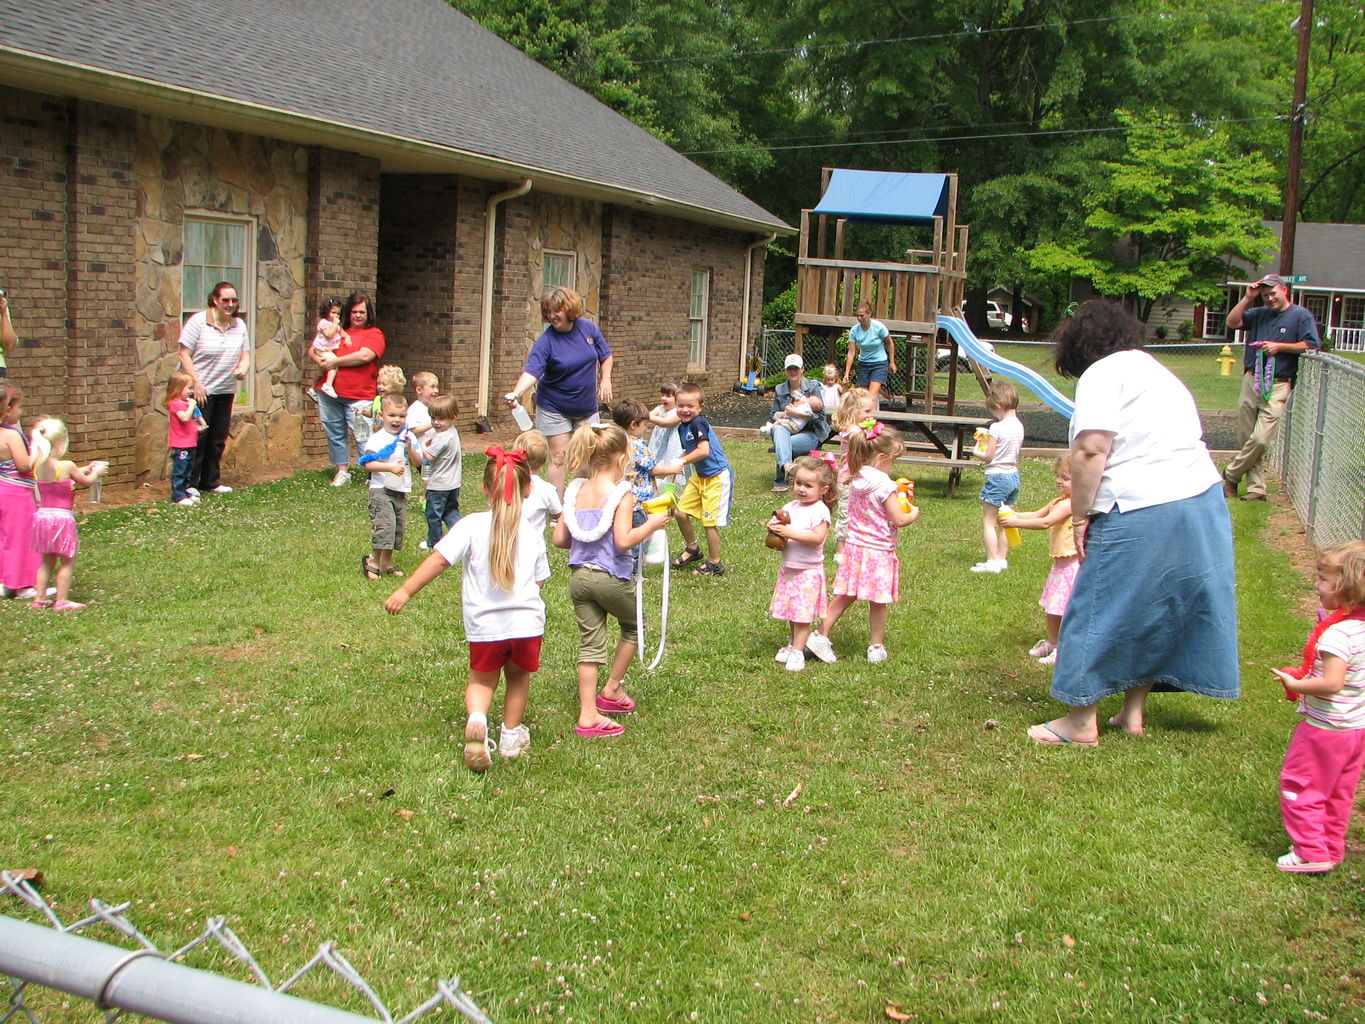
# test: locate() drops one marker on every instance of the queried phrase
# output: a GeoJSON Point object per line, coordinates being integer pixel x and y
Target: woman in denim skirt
{"type": "Point", "coordinates": [1153, 605]}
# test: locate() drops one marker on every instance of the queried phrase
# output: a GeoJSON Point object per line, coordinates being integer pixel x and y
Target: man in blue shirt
{"type": "Point", "coordinates": [1278, 332]}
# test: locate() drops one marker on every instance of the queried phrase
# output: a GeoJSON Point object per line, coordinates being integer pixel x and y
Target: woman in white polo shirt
{"type": "Point", "coordinates": [215, 352]}
{"type": "Point", "coordinates": [1153, 605]}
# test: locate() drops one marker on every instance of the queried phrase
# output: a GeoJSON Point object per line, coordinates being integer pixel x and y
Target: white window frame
{"type": "Point", "coordinates": [1352, 304]}
{"type": "Point", "coordinates": [698, 316]}
{"type": "Point", "coordinates": [1221, 315]}
{"type": "Point", "coordinates": [570, 257]}
{"type": "Point", "coordinates": [243, 277]}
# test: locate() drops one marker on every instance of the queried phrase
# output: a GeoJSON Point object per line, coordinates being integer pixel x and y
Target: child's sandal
{"type": "Point", "coordinates": [689, 555]}
{"type": "Point", "coordinates": [710, 569]}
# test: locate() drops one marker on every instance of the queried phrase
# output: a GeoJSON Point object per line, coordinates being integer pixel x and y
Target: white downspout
{"type": "Point", "coordinates": [748, 289]}
{"type": "Point", "coordinates": [486, 306]}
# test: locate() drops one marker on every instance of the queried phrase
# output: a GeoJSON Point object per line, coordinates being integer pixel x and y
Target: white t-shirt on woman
{"type": "Point", "coordinates": [1158, 454]}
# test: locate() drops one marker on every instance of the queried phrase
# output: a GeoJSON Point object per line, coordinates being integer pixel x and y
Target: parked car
{"type": "Point", "coordinates": [997, 316]}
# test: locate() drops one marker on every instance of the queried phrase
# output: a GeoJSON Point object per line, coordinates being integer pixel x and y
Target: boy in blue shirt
{"type": "Point", "coordinates": [709, 488]}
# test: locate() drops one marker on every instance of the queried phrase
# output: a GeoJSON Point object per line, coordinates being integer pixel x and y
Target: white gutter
{"type": "Point", "coordinates": [748, 288]}
{"type": "Point", "coordinates": [490, 227]}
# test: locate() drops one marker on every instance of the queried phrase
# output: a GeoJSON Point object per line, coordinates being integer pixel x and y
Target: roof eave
{"type": "Point", "coordinates": [41, 73]}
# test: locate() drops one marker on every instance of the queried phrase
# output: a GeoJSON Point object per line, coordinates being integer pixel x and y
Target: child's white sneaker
{"type": "Point", "coordinates": [819, 645]}
{"type": "Point", "coordinates": [796, 661]}
{"type": "Point", "coordinates": [514, 742]}
{"type": "Point", "coordinates": [329, 391]}
{"type": "Point", "coordinates": [783, 653]}
{"type": "Point", "coordinates": [478, 748]}
{"type": "Point", "coordinates": [1050, 658]}
{"type": "Point", "coordinates": [1041, 649]}
{"type": "Point", "coordinates": [876, 654]}
{"type": "Point", "coordinates": [991, 565]}
{"type": "Point", "coordinates": [767, 428]}
{"type": "Point", "coordinates": [186, 502]}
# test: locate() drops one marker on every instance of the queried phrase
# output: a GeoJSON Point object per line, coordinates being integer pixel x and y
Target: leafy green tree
{"type": "Point", "coordinates": [1164, 217]}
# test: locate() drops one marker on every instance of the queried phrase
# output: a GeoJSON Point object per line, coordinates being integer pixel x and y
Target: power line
{"type": "Point", "coordinates": [1041, 133]}
{"type": "Point", "coordinates": [977, 32]}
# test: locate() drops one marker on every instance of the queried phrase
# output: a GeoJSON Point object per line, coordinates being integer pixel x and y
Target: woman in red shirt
{"type": "Point", "coordinates": [357, 366]}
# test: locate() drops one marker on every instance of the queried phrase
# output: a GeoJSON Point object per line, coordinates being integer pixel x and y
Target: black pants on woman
{"type": "Point", "coordinates": [217, 410]}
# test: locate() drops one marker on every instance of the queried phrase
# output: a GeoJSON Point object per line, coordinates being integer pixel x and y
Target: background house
{"type": "Point", "coordinates": [1330, 259]}
{"type": "Point", "coordinates": [154, 147]}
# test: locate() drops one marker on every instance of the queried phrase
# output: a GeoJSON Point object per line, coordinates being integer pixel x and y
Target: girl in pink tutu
{"type": "Point", "coordinates": [1055, 517]}
{"type": "Point", "coordinates": [870, 570]}
{"type": "Point", "coordinates": [54, 524]}
{"type": "Point", "coordinates": [799, 598]}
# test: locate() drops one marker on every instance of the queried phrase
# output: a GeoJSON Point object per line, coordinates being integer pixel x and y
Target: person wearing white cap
{"type": "Point", "coordinates": [1278, 332]}
{"type": "Point", "coordinates": [796, 396]}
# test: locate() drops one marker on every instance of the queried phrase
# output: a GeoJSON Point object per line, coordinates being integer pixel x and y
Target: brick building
{"type": "Point", "coordinates": [247, 144]}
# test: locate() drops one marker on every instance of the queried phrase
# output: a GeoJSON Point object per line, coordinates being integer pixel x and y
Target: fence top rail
{"type": "Point", "coordinates": [1337, 363]}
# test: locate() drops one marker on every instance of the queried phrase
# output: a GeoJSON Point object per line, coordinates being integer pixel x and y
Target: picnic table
{"type": "Point", "coordinates": [933, 450]}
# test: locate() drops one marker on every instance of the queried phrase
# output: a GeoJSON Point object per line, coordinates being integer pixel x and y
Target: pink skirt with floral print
{"type": "Point", "coordinates": [1060, 579]}
{"type": "Point", "coordinates": [869, 574]}
{"type": "Point", "coordinates": [800, 595]}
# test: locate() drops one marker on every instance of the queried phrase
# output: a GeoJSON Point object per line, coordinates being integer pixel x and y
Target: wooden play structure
{"type": "Point", "coordinates": [907, 296]}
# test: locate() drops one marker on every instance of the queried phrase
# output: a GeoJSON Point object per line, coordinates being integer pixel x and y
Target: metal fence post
{"type": "Point", "coordinates": [1316, 470]}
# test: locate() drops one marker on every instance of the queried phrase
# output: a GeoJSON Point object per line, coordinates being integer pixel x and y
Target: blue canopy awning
{"type": "Point", "coordinates": [885, 195]}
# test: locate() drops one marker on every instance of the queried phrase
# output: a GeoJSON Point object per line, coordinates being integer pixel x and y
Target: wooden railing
{"type": "Point", "coordinates": [904, 296]}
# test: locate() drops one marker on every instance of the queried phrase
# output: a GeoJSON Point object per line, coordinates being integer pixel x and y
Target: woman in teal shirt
{"type": "Point", "coordinates": [876, 352]}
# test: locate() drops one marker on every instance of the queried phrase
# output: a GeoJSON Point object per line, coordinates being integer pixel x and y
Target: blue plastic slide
{"type": "Point", "coordinates": [977, 352]}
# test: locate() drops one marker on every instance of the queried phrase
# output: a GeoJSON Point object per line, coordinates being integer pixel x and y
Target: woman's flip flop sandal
{"type": "Point", "coordinates": [689, 555]}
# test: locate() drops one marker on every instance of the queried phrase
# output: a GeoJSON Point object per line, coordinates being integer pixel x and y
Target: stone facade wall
{"type": "Point", "coordinates": [648, 260]}
{"type": "Point", "coordinates": [35, 175]}
{"type": "Point", "coordinates": [101, 356]}
{"type": "Point", "coordinates": [184, 168]}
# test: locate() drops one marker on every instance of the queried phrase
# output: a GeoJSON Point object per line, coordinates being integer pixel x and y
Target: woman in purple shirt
{"type": "Point", "coordinates": [570, 368]}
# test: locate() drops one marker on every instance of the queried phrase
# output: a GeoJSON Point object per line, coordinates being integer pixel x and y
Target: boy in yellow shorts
{"type": "Point", "coordinates": [709, 488]}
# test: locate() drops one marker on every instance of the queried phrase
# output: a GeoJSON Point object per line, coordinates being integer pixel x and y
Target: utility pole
{"type": "Point", "coordinates": [1297, 118]}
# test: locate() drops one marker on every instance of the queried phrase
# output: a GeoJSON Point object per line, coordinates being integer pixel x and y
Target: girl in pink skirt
{"type": "Point", "coordinates": [799, 598]}
{"type": "Point", "coordinates": [1055, 517]}
{"type": "Point", "coordinates": [870, 570]}
{"type": "Point", "coordinates": [54, 524]}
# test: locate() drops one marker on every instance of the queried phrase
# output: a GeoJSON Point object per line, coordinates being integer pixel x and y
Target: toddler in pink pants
{"type": "Point", "coordinates": [1327, 751]}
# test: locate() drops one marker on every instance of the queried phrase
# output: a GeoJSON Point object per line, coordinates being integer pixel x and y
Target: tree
{"type": "Point", "coordinates": [1164, 217]}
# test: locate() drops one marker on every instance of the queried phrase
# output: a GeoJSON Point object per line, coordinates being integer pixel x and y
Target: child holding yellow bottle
{"type": "Point", "coordinates": [1055, 517]}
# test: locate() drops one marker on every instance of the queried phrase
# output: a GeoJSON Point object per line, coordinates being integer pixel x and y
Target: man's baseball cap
{"type": "Point", "coordinates": [1274, 280]}
{"type": "Point", "coordinates": [794, 360]}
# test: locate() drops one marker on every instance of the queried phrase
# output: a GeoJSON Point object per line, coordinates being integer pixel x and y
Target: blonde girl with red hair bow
{"type": "Point", "coordinates": [505, 566]}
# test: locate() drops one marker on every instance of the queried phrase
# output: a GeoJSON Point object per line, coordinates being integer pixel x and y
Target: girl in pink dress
{"type": "Point", "coordinates": [18, 563]}
{"type": "Point", "coordinates": [799, 598]}
{"type": "Point", "coordinates": [54, 524]}
{"type": "Point", "coordinates": [870, 570]}
{"type": "Point", "coordinates": [1055, 517]}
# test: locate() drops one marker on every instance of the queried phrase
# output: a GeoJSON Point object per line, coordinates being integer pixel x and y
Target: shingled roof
{"type": "Point", "coordinates": [413, 82]}
{"type": "Point", "coordinates": [1330, 255]}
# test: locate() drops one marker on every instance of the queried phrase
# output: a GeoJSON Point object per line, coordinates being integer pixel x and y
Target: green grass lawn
{"type": "Point", "coordinates": [1198, 368]}
{"type": "Point", "coordinates": [236, 727]}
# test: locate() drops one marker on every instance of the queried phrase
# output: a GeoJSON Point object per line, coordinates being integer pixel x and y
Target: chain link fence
{"type": "Point", "coordinates": [36, 959]}
{"type": "Point", "coordinates": [1319, 453]}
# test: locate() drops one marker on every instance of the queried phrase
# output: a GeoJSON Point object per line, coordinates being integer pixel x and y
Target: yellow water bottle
{"type": "Point", "coordinates": [1012, 536]}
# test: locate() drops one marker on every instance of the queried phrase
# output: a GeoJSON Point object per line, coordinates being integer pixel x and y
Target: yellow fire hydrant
{"type": "Point", "coordinates": [1225, 360]}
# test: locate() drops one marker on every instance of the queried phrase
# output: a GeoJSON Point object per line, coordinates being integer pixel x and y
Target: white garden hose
{"type": "Point", "coordinates": [640, 608]}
